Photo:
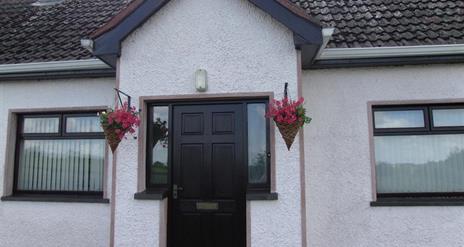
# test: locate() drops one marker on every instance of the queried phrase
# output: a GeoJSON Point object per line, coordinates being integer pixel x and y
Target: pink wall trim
{"type": "Point", "coordinates": [144, 100]}
{"type": "Point", "coordinates": [8, 176]}
{"type": "Point", "coordinates": [372, 151]}
{"type": "Point", "coordinates": [304, 241]}
{"type": "Point", "coordinates": [113, 173]}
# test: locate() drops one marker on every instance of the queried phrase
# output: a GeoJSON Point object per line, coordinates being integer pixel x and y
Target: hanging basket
{"type": "Point", "coordinates": [112, 138]}
{"type": "Point", "coordinates": [289, 131]}
{"type": "Point", "coordinates": [118, 122]}
{"type": "Point", "coordinates": [289, 116]}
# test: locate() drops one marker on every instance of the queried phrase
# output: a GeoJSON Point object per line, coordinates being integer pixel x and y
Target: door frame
{"type": "Point", "coordinates": [240, 106]}
{"type": "Point", "coordinates": [196, 99]}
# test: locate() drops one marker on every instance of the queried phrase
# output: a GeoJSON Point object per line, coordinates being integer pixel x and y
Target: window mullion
{"type": "Point", "coordinates": [410, 156]}
{"type": "Point", "coordinates": [50, 153]}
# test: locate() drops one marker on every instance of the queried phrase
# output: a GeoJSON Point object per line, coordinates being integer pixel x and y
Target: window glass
{"type": "Point", "coordinates": [51, 162]}
{"type": "Point", "coordinates": [257, 144]}
{"type": "Point", "coordinates": [448, 117]}
{"type": "Point", "coordinates": [61, 165]}
{"type": "Point", "coordinates": [160, 125]}
{"type": "Point", "coordinates": [89, 124]}
{"type": "Point", "coordinates": [36, 125]}
{"type": "Point", "coordinates": [420, 163]}
{"type": "Point", "coordinates": [399, 119]}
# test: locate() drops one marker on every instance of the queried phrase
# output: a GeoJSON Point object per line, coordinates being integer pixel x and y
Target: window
{"type": "Point", "coordinates": [59, 154]}
{"type": "Point", "coordinates": [256, 126]}
{"type": "Point", "coordinates": [419, 150]}
{"type": "Point", "coordinates": [258, 146]}
{"type": "Point", "coordinates": [157, 169]}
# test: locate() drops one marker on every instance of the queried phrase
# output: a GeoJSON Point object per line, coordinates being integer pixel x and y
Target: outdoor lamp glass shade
{"type": "Point", "coordinates": [201, 80]}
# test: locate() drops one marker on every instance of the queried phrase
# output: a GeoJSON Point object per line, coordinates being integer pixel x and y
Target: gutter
{"type": "Point", "coordinates": [390, 52]}
{"type": "Point", "coordinates": [72, 65]}
{"type": "Point", "coordinates": [88, 68]}
{"type": "Point", "coordinates": [326, 36]}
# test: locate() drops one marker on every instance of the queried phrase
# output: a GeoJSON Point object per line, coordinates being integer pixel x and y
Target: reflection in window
{"type": "Point", "coordinates": [35, 125]}
{"type": "Point", "coordinates": [448, 117]}
{"type": "Point", "coordinates": [51, 162]}
{"type": "Point", "coordinates": [160, 125]}
{"type": "Point", "coordinates": [61, 165]}
{"type": "Point", "coordinates": [419, 163]}
{"type": "Point", "coordinates": [257, 144]}
{"type": "Point", "coordinates": [399, 119]}
{"type": "Point", "coordinates": [89, 124]}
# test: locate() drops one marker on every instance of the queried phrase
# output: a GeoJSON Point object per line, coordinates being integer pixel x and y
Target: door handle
{"type": "Point", "coordinates": [175, 191]}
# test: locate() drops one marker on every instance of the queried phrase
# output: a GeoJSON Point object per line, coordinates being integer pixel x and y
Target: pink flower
{"type": "Point", "coordinates": [122, 120]}
{"type": "Point", "coordinates": [285, 110]}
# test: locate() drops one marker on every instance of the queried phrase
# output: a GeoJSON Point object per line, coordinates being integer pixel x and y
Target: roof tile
{"type": "Point", "coordinates": [403, 22]}
{"type": "Point", "coordinates": [49, 33]}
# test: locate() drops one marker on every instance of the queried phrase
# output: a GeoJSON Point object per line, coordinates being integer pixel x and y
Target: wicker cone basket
{"type": "Point", "coordinates": [289, 131]}
{"type": "Point", "coordinates": [112, 138]}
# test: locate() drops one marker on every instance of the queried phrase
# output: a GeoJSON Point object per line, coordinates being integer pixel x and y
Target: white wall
{"type": "Point", "coordinates": [244, 50]}
{"type": "Point", "coordinates": [42, 223]}
{"type": "Point", "coordinates": [338, 167]}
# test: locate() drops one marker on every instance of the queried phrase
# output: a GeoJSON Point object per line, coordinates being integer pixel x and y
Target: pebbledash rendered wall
{"type": "Point", "coordinates": [51, 223]}
{"type": "Point", "coordinates": [244, 50]}
{"type": "Point", "coordinates": [338, 170]}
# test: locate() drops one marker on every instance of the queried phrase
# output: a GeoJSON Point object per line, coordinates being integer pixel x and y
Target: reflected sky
{"type": "Point", "coordinates": [257, 128]}
{"type": "Point", "coordinates": [399, 119]}
{"type": "Point", "coordinates": [448, 117]}
{"type": "Point", "coordinates": [418, 149]}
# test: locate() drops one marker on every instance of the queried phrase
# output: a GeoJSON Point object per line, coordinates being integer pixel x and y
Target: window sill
{"type": "Point", "coordinates": [411, 202]}
{"type": "Point", "coordinates": [157, 195]}
{"type": "Point", "coordinates": [55, 198]}
{"type": "Point", "coordinates": [262, 196]}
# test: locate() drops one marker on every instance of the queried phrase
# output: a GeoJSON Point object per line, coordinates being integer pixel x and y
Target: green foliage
{"type": "Point", "coordinates": [301, 112]}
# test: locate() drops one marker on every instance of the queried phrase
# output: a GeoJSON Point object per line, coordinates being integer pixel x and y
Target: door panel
{"type": "Point", "coordinates": [191, 166]}
{"type": "Point", "coordinates": [223, 123]}
{"type": "Point", "coordinates": [222, 166]}
{"type": "Point", "coordinates": [209, 170]}
{"type": "Point", "coordinates": [222, 236]}
{"type": "Point", "coordinates": [192, 124]}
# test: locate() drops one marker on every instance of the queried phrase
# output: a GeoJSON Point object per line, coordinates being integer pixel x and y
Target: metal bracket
{"type": "Point", "coordinates": [119, 92]}
{"type": "Point", "coordinates": [286, 90]}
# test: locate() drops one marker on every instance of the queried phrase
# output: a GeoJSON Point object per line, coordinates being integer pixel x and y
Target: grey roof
{"type": "Point", "coordinates": [376, 23]}
{"type": "Point", "coordinates": [50, 33]}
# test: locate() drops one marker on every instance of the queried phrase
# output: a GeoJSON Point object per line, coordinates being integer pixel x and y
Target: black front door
{"type": "Point", "coordinates": [208, 206]}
